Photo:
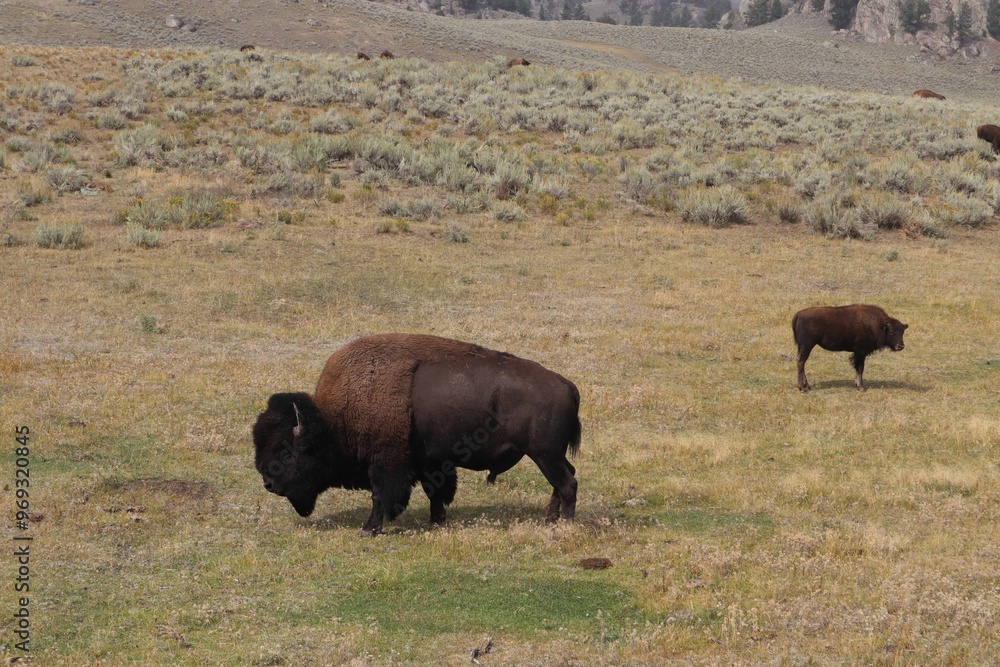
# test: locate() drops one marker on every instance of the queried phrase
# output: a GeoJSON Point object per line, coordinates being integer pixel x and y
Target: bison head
{"type": "Point", "coordinates": [893, 331]}
{"type": "Point", "coordinates": [290, 438]}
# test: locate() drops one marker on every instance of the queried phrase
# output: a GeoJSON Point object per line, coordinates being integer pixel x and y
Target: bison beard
{"type": "Point", "coordinates": [859, 329]}
{"type": "Point", "coordinates": [393, 410]}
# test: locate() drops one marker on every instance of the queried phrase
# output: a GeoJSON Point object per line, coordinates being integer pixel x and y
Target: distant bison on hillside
{"type": "Point", "coordinates": [386, 54]}
{"type": "Point", "coordinates": [991, 135]}
{"type": "Point", "coordinates": [363, 56]}
{"type": "Point", "coordinates": [247, 47]}
{"type": "Point", "coordinates": [928, 94]}
{"type": "Point", "coordinates": [859, 329]}
{"type": "Point", "coordinates": [396, 409]}
{"type": "Point", "coordinates": [518, 61]}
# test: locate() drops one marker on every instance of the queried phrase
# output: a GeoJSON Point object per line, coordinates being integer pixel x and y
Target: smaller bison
{"type": "Point", "coordinates": [387, 55]}
{"type": "Point", "coordinates": [247, 47]}
{"type": "Point", "coordinates": [518, 61]}
{"type": "Point", "coordinates": [858, 329]}
{"type": "Point", "coordinates": [928, 94]}
{"type": "Point", "coordinates": [363, 56]}
{"type": "Point", "coordinates": [991, 135]}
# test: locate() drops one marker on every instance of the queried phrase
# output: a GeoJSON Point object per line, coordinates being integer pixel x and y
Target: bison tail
{"type": "Point", "coordinates": [574, 439]}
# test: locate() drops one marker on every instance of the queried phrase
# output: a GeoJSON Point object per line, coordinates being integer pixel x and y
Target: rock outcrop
{"type": "Point", "coordinates": [878, 21]}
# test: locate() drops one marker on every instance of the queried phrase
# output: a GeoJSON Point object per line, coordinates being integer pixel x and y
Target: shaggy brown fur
{"type": "Point", "coordinates": [386, 54]}
{"type": "Point", "coordinates": [859, 329]}
{"type": "Point", "coordinates": [517, 61]}
{"type": "Point", "coordinates": [395, 409]}
{"type": "Point", "coordinates": [247, 47]}
{"type": "Point", "coordinates": [363, 56]}
{"type": "Point", "coordinates": [928, 94]}
{"type": "Point", "coordinates": [991, 135]}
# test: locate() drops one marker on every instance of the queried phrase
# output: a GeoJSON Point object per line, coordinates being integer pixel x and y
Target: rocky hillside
{"type": "Point", "coordinates": [878, 21]}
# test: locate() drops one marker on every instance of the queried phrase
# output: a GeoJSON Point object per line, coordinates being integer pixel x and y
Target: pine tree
{"type": "Point", "coordinates": [964, 24]}
{"type": "Point", "coordinates": [578, 13]}
{"type": "Point", "coordinates": [818, 5]}
{"type": "Point", "coordinates": [715, 11]}
{"type": "Point", "coordinates": [661, 13]}
{"type": "Point", "coordinates": [758, 13]}
{"type": "Point", "coordinates": [777, 11]}
{"type": "Point", "coordinates": [841, 13]}
{"type": "Point", "coordinates": [914, 15]}
{"type": "Point", "coordinates": [567, 10]}
{"type": "Point", "coordinates": [993, 19]}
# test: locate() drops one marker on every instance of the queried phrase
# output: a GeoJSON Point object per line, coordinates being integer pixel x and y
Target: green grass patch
{"type": "Point", "coordinates": [431, 599]}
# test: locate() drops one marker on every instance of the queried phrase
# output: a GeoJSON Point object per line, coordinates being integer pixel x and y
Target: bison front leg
{"type": "Point", "coordinates": [440, 488]}
{"type": "Point", "coordinates": [858, 360]}
{"type": "Point", "coordinates": [390, 496]}
{"type": "Point", "coordinates": [802, 357]}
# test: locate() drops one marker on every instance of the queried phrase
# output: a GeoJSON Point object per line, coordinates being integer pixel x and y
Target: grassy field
{"type": "Point", "coordinates": [186, 233]}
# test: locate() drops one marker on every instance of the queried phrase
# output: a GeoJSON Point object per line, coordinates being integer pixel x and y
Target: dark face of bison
{"type": "Point", "coordinates": [894, 334]}
{"type": "Point", "coordinates": [289, 438]}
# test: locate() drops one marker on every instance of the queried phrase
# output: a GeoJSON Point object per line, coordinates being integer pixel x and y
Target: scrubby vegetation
{"type": "Point", "coordinates": [298, 127]}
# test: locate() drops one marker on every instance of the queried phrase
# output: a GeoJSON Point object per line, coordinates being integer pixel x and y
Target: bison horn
{"type": "Point", "coordinates": [299, 425]}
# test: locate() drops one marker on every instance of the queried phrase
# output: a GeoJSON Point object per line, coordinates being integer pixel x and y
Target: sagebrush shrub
{"type": "Point", "coordinates": [964, 211]}
{"type": "Point", "coordinates": [65, 179]}
{"type": "Point", "coordinates": [883, 212]}
{"type": "Point", "coordinates": [715, 207]}
{"type": "Point", "coordinates": [507, 212]}
{"type": "Point", "coordinates": [141, 237]}
{"type": "Point", "coordinates": [69, 237]}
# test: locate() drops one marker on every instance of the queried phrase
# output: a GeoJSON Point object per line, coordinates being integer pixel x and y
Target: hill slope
{"type": "Point", "coordinates": [797, 49]}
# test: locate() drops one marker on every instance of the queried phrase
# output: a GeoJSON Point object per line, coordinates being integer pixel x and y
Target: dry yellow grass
{"type": "Point", "coordinates": [747, 523]}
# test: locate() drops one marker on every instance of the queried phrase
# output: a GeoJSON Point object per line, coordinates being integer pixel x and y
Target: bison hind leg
{"type": "Point", "coordinates": [560, 474]}
{"type": "Point", "coordinates": [801, 359]}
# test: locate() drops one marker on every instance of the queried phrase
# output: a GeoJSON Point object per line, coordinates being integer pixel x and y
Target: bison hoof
{"type": "Point", "coordinates": [804, 388]}
{"type": "Point", "coordinates": [369, 532]}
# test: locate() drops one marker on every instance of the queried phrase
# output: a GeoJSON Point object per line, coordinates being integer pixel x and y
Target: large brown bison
{"type": "Point", "coordinates": [361, 55]}
{"type": "Point", "coordinates": [928, 94]}
{"type": "Point", "coordinates": [858, 329]}
{"type": "Point", "coordinates": [387, 54]}
{"type": "Point", "coordinates": [990, 134]}
{"type": "Point", "coordinates": [395, 409]}
{"type": "Point", "coordinates": [518, 61]}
